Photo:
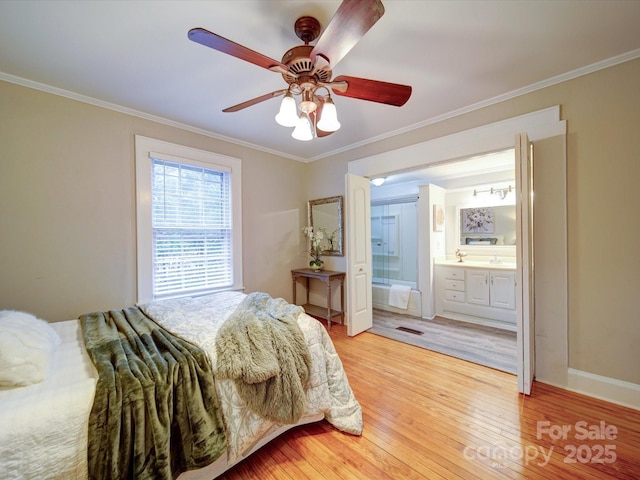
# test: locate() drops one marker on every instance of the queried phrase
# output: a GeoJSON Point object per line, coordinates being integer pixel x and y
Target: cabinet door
{"type": "Point", "coordinates": [477, 286]}
{"type": "Point", "coordinates": [503, 290]}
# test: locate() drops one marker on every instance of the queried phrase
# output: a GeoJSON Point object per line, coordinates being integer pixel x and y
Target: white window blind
{"type": "Point", "coordinates": [191, 228]}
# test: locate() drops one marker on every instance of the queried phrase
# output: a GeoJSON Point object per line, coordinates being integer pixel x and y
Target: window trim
{"type": "Point", "coordinates": [147, 148]}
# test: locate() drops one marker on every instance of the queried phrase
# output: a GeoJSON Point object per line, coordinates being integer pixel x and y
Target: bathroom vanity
{"type": "Point", "coordinates": [476, 292]}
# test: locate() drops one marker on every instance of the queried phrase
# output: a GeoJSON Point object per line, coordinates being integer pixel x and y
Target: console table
{"type": "Point", "coordinates": [327, 276]}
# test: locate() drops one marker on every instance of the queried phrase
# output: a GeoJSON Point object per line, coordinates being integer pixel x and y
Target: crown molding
{"type": "Point", "coordinates": [594, 67]}
{"type": "Point", "coordinates": [137, 113]}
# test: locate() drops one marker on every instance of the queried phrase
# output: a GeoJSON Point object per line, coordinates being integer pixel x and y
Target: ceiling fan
{"type": "Point", "coordinates": [307, 69]}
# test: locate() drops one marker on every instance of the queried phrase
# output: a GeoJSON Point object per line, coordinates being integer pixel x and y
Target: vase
{"type": "Point", "coordinates": [316, 265]}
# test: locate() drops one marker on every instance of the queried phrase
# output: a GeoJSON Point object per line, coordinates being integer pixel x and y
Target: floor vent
{"type": "Point", "coordinates": [410, 330]}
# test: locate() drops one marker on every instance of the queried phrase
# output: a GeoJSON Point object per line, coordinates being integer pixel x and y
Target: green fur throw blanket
{"type": "Point", "coordinates": [155, 413]}
{"type": "Point", "coordinates": [261, 347]}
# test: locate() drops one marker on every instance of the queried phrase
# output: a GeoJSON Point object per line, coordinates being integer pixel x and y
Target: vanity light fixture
{"type": "Point", "coordinates": [376, 182]}
{"type": "Point", "coordinates": [501, 192]}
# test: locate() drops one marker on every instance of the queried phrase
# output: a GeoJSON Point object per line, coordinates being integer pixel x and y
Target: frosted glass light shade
{"type": "Point", "coordinates": [288, 115]}
{"type": "Point", "coordinates": [303, 129]}
{"type": "Point", "coordinates": [329, 118]}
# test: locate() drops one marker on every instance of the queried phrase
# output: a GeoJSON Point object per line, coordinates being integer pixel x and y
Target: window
{"type": "Point", "coordinates": [189, 235]}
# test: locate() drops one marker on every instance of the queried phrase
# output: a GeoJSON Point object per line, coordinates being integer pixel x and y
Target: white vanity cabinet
{"type": "Point", "coordinates": [491, 287]}
{"type": "Point", "coordinates": [477, 286]}
{"type": "Point", "coordinates": [502, 289]}
{"type": "Point", "coordinates": [478, 295]}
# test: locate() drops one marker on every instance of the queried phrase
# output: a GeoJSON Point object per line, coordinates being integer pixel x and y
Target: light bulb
{"type": "Point", "coordinates": [287, 116]}
{"type": "Point", "coordinates": [329, 117]}
{"type": "Point", "coordinates": [303, 129]}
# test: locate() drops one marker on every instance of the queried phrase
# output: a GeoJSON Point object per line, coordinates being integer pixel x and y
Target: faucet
{"type": "Point", "coordinates": [495, 260]}
{"type": "Point", "coordinates": [460, 254]}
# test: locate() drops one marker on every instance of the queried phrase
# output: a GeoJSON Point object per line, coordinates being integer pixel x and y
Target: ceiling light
{"type": "Point", "coordinates": [328, 116]}
{"type": "Point", "coordinates": [288, 115]}
{"type": "Point", "coordinates": [316, 110]}
{"type": "Point", "coordinates": [308, 105]}
{"type": "Point", "coordinates": [304, 128]}
{"type": "Point", "coordinates": [378, 181]}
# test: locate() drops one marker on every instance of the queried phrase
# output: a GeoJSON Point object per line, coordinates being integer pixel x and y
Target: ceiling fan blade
{"type": "Point", "coordinates": [215, 41]}
{"type": "Point", "coordinates": [372, 90]}
{"type": "Point", "coordinates": [253, 101]}
{"type": "Point", "coordinates": [351, 21]}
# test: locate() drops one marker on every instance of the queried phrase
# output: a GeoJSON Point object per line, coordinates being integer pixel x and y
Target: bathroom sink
{"type": "Point", "coordinates": [478, 264]}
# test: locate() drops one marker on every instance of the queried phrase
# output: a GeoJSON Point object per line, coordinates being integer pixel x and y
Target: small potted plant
{"type": "Point", "coordinates": [315, 240]}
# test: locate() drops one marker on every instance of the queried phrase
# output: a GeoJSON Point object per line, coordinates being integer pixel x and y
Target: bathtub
{"type": "Point", "coordinates": [380, 300]}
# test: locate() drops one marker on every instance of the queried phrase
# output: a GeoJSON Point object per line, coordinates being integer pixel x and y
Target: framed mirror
{"type": "Point", "coordinates": [487, 226]}
{"type": "Point", "coordinates": [327, 214]}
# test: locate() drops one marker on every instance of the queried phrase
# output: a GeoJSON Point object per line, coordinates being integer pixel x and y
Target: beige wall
{"type": "Point", "coordinates": [602, 110]}
{"type": "Point", "coordinates": [67, 217]}
{"type": "Point", "coordinates": [67, 206]}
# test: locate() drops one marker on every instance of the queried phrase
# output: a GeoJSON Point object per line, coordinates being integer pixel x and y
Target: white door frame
{"type": "Point", "coordinates": [525, 268]}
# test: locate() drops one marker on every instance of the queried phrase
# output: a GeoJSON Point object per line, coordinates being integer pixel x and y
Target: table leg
{"type": "Point", "coordinates": [342, 301]}
{"type": "Point", "coordinates": [328, 304]}
{"type": "Point", "coordinates": [294, 290]}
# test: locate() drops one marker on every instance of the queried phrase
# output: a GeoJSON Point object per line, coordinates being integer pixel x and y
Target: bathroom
{"type": "Point", "coordinates": [403, 237]}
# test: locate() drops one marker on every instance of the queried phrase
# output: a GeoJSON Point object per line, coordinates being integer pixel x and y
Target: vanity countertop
{"type": "Point", "coordinates": [485, 264]}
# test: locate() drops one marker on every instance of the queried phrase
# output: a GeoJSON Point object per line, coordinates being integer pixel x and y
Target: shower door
{"type": "Point", "coordinates": [394, 241]}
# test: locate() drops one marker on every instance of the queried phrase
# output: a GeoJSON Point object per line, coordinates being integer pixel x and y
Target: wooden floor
{"type": "Point", "coordinates": [488, 346]}
{"type": "Point", "coordinates": [428, 415]}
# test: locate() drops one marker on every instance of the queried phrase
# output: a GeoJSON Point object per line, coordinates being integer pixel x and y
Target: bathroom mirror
{"type": "Point", "coordinates": [487, 226]}
{"type": "Point", "coordinates": [327, 214]}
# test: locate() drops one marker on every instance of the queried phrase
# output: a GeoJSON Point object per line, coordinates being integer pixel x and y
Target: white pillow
{"type": "Point", "coordinates": [26, 345]}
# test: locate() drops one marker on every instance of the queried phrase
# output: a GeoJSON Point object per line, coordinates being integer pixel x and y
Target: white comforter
{"type": "Point", "coordinates": [198, 320]}
{"type": "Point", "coordinates": [43, 427]}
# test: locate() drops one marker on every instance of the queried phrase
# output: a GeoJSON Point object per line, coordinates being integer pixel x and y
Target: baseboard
{"type": "Point", "coordinates": [485, 322]}
{"type": "Point", "coordinates": [620, 392]}
{"type": "Point", "coordinates": [413, 309]}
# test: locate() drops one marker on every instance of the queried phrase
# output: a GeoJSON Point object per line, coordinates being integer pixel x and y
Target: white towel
{"type": "Point", "coordinates": [399, 296]}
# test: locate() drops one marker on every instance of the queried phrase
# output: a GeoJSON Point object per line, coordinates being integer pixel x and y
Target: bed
{"type": "Point", "coordinates": [44, 430]}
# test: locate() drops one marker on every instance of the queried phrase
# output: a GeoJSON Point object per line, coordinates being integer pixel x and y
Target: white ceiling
{"type": "Point", "coordinates": [497, 170]}
{"type": "Point", "coordinates": [457, 55]}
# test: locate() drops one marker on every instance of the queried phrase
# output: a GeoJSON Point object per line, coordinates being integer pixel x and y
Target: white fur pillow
{"type": "Point", "coordinates": [26, 345]}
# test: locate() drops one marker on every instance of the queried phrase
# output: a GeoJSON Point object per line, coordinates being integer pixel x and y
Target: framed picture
{"type": "Point", "coordinates": [477, 220]}
{"type": "Point", "coordinates": [438, 218]}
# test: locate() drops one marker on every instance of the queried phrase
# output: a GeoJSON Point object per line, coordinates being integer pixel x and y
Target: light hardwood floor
{"type": "Point", "coordinates": [491, 347]}
{"type": "Point", "coordinates": [428, 415]}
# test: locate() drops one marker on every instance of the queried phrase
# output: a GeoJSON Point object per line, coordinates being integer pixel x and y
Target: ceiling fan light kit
{"type": "Point", "coordinates": [307, 69]}
{"type": "Point", "coordinates": [304, 128]}
{"type": "Point", "coordinates": [287, 116]}
{"type": "Point", "coordinates": [329, 119]}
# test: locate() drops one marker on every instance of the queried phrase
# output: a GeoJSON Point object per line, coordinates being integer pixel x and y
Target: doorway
{"type": "Point", "coordinates": [486, 335]}
{"type": "Point", "coordinates": [541, 125]}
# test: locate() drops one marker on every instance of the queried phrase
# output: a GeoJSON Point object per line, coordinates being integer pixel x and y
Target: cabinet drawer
{"type": "Point", "coordinates": [454, 295]}
{"type": "Point", "coordinates": [454, 285]}
{"type": "Point", "coordinates": [454, 273]}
